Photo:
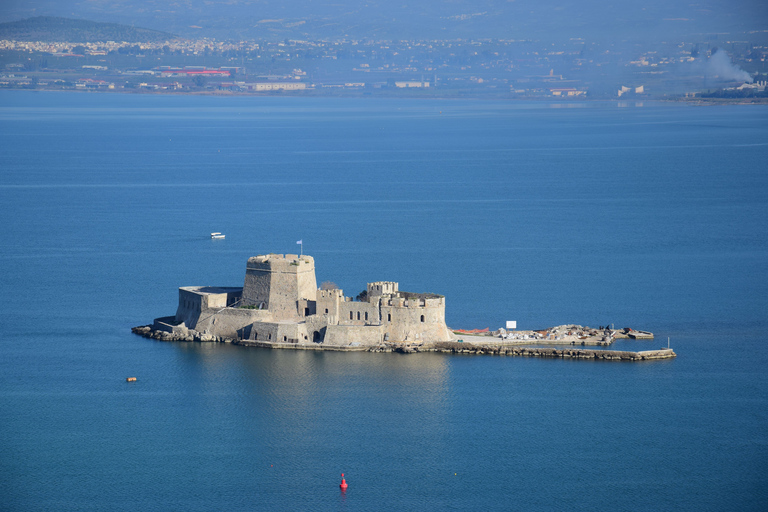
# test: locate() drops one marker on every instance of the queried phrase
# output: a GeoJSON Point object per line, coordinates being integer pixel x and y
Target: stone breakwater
{"type": "Point", "coordinates": [449, 347]}
{"type": "Point", "coordinates": [565, 353]}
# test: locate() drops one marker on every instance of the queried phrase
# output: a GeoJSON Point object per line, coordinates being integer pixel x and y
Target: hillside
{"type": "Point", "coordinates": [276, 20]}
{"type": "Point", "coordinates": [50, 28]}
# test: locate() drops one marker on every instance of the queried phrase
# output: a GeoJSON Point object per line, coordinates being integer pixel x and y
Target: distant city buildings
{"type": "Point", "coordinates": [576, 68]}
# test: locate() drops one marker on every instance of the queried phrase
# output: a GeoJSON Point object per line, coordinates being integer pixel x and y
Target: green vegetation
{"type": "Point", "coordinates": [49, 28]}
{"type": "Point", "coordinates": [735, 93]}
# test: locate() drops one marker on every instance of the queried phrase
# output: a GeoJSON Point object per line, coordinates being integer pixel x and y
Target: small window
{"type": "Point", "coordinates": [269, 336]}
{"type": "Point", "coordinates": [366, 316]}
{"type": "Point", "coordinates": [389, 317]}
{"type": "Point", "coordinates": [326, 311]}
{"type": "Point", "coordinates": [351, 315]}
{"type": "Point", "coordinates": [285, 338]}
{"type": "Point", "coordinates": [422, 318]}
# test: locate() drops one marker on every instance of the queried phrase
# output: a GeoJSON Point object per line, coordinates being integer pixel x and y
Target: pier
{"type": "Point", "coordinates": [565, 353]}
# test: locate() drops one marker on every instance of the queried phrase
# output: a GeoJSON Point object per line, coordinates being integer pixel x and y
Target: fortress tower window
{"type": "Point", "coordinates": [358, 315]}
{"type": "Point", "coordinates": [422, 318]}
{"type": "Point", "coordinates": [389, 317]}
{"type": "Point", "coordinates": [351, 315]}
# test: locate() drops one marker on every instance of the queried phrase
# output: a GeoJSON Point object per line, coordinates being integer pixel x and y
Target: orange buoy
{"type": "Point", "coordinates": [343, 483]}
{"type": "Point", "coordinates": [130, 379]}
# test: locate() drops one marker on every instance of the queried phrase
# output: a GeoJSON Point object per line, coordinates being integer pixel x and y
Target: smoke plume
{"type": "Point", "coordinates": [719, 65]}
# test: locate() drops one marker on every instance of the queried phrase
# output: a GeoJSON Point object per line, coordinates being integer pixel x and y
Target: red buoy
{"type": "Point", "coordinates": [343, 483]}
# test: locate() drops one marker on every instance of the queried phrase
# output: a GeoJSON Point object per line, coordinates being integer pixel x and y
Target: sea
{"type": "Point", "coordinates": [646, 215]}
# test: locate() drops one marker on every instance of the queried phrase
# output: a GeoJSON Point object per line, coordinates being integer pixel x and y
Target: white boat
{"type": "Point", "coordinates": [217, 236]}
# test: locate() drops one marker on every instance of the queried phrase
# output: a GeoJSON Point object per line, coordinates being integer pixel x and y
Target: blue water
{"type": "Point", "coordinates": [652, 216]}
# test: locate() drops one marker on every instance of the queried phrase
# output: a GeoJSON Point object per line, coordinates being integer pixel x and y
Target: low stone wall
{"type": "Point", "coordinates": [301, 346]}
{"type": "Point", "coordinates": [169, 324]}
{"type": "Point", "coordinates": [187, 335]}
{"type": "Point", "coordinates": [566, 353]}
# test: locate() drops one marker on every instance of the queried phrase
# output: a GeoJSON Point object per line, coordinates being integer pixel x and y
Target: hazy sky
{"type": "Point", "coordinates": [419, 19]}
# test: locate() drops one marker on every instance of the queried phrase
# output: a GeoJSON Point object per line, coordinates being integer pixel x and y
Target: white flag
{"type": "Point", "coordinates": [298, 243]}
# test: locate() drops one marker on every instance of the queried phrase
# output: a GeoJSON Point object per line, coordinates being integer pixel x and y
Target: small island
{"type": "Point", "coordinates": [281, 306]}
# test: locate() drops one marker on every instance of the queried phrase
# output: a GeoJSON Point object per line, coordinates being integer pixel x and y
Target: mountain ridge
{"type": "Point", "coordinates": [555, 20]}
{"type": "Point", "coordinates": [56, 29]}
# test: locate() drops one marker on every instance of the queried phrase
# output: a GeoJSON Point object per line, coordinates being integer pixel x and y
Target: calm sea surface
{"type": "Point", "coordinates": [652, 216]}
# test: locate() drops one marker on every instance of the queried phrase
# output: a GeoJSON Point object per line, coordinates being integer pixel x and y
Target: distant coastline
{"type": "Point", "coordinates": [45, 53]}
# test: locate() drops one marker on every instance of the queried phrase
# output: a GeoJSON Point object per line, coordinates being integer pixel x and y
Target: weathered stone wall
{"type": "Point", "coordinates": [169, 324]}
{"type": "Point", "coordinates": [415, 319]}
{"type": "Point", "coordinates": [193, 300]}
{"type": "Point", "coordinates": [327, 304]}
{"type": "Point", "coordinates": [229, 322]}
{"type": "Point", "coordinates": [353, 334]}
{"type": "Point", "coordinates": [276, 332]}
{"type": "Point", "coordinates": [358, 313]}
{"type": "Point", "coordinates": [190, 306]}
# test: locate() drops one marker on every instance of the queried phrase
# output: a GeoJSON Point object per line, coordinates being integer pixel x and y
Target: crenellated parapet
{"type": "Point", "coordinates": [281, 263]}
{"type": "Point", "coordinates": [382, 288]}
{"type": "Point", "coordinates": [413, 300]}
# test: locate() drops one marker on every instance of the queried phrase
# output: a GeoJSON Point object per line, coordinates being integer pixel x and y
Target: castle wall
{"type": "Point", "coordinates": [414, 319]}
{"type": "Point", "coordinates": [328, 304]}
{"type": "Point", "coordinates": [358, 313]}
{"type": "Point", "coordinates": [276, 332]}
{"type": "Point", "coordinates": [229, 322]}
{"type": "Point", "coordinates": [194, 300]}
{"type": "Point", "coordinates": [349, 334]}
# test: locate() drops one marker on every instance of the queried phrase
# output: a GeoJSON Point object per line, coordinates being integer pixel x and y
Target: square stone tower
{"type": "Point", "coordinates": [277, 283]}
{"type": "Point", "coordinates": [382, 288]}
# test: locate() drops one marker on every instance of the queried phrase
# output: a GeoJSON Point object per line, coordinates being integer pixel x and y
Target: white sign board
{"type": "Point", "coordinates": [511, 324]}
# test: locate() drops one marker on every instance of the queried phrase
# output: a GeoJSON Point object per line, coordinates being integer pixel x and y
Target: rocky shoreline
{"type": "Point", "coordinates": [448, 347]}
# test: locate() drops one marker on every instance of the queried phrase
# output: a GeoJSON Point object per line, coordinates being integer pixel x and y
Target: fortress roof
{"type": "Point", "coordinates": [411, 295]}
{"type": "Point", "coordinates": [211, 289]}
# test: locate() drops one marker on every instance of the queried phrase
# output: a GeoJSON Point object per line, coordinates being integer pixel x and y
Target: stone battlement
{"type": "Point", "coordinates": [289, 263]}
{"type": "Point", "coordinates": [382, 288]}
{"type": "Point", "coordinates": [414, 302]}
{"type": "Point", "coordinates": [330, 294]}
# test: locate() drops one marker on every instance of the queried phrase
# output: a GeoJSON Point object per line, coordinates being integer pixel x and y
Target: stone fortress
{"type": "Point", "coordinates": [280, 303]}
